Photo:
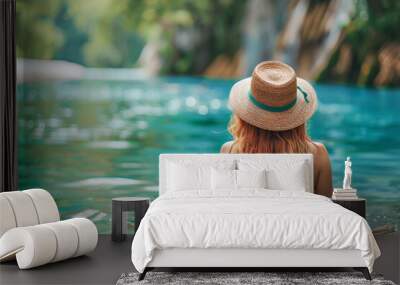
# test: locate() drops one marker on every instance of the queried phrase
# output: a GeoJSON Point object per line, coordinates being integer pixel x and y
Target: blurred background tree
{"type": "Point", "coordinates": [210, 37]}
{"type": "Point", "coordinates": [369, 53]}
{"type": "Point", "coordinates": [37, 34]}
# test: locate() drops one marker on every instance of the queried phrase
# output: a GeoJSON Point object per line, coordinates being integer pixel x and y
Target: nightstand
{"type": "Point", "coordinates": [358, 205]}
{"type": "Point", "coordinates": [120, 207]}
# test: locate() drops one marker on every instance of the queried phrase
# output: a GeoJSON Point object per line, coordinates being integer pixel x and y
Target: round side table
{"type": "Point", "coordinates": [120, 207]}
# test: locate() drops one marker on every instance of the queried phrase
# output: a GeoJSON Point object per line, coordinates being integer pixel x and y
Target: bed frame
{"type": "Point", "coordinates": [246, 258]}
{"type": "Point", "coordinates": [242, 259]}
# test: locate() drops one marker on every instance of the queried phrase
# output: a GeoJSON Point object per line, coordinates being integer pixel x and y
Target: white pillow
{"type": "Point", "coordinates": [293, 179]}
{"type": "Point", "coordinates": [223, 179]}
{"type": "Point", "coordinates": [188, 177]}
{"type": "Point", "coordinates": [227, 179]}
{"type": "Point", "coordinates": [281, 174]}
{"type": "Point", "coordinates": [251, 179]}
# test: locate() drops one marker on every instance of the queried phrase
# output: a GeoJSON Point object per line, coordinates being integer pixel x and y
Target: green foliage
{"type": "Point", "coordinates": [212, 28]}
{"type": "Point", "coordinates": [87, 32]}
{"type": "Point", "coordinates": [74, 38]}
{"type": "Point", "coordinates": [374, 24]}
{"type": "Point", "coordinates": [36, 34]}
{"type": "Point", "coordinates": [112, 40]}
{"type": "Point", "coordinates": [109, 33]}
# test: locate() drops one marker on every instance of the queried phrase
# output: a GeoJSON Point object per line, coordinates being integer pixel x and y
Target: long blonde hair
{"type": "Point", "coordinates": [250, 139]}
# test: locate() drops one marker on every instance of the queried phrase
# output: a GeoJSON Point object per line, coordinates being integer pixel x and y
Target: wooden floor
{"type": "Point", "coordinates": [103, 266]}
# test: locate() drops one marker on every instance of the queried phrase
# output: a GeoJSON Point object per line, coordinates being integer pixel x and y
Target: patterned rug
{"type": "Point", "coordinates": [243, 278]}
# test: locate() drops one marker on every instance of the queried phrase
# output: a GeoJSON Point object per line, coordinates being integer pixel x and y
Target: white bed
{"type": "Point", "coordinates": [207, 226]}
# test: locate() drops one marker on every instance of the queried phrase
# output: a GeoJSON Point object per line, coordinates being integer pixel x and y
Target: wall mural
{"type": "Point", "coordinates": [100, 97]}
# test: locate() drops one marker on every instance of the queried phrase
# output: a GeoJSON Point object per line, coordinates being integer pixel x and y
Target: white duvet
{"type": "Point", "coordinates": [250, 219]}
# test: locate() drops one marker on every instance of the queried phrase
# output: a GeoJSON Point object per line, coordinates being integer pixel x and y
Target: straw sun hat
{"type": "Point", "coordinates": [273, 98]}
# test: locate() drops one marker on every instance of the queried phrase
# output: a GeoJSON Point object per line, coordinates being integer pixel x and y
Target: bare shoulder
{"type": "Point", "coordinates": [319, 148]}
{"type": "Point", "coordinates": [323, 172]}
{"type": "Point", "coordinates": [320, 152]}
{"type": "Point", "coordinates": [226, 147]}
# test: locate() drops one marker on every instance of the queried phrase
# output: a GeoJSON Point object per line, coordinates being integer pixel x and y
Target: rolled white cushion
{"type": "Point", "coordinates": [33, 246]}
{"type": "Point", "coordinates": [67, 240]}
{"type": "Point", "coordinates": [45, 205]}
{"type": "Point", "coordinates": [37, 245]}
{"type": "Point", "coordinates": [23, 208]}
{"type": "Point", "coordinates": [87, 234]}
{"type": "Point", "coordinates": [7, 218]}
{"type": "Point", "coordinates": [26, 208]}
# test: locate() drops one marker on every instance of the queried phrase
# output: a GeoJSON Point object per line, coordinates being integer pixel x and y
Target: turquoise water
{"type": "Point", "coordinates": [89, 141]}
